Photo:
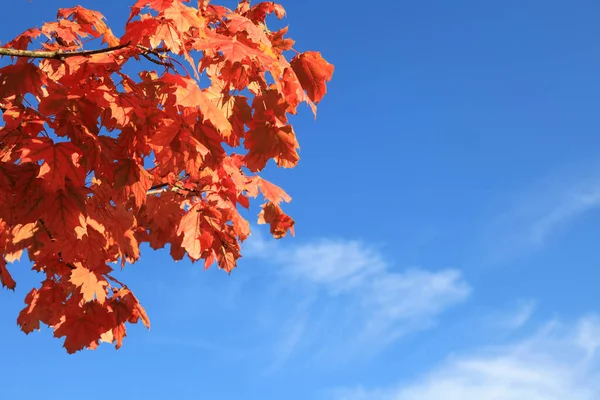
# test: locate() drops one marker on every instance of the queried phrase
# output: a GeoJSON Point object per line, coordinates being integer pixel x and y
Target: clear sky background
{"type": "Point", "coordinates": [447, 226]}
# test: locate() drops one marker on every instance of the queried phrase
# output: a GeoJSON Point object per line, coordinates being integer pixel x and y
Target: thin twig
{"type": "Point", "coordinates": [116, 281]}
{"type": "Point", "coordinates": [163, 63]}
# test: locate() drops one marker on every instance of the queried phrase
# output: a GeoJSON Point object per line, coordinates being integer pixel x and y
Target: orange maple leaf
{"type": "Point", "coordinates": [183, 17]}
{"type": "Point", "coordinates": [271, 192]}
{"type": "Point", "coordinates": [188, 94]}
{"type": "Point", "coordinates": [195, 239]}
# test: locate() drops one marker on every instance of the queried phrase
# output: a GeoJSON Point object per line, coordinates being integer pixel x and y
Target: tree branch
{"type": "Point", "coordinates": [57, 54]}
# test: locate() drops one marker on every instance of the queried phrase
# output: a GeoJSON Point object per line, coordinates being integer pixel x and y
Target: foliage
{"type": "Point", "coordinates": [95, 160]}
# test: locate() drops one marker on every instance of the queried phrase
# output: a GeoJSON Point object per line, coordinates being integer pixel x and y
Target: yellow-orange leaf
{"type": "Point", "coordinates": [89, 284]}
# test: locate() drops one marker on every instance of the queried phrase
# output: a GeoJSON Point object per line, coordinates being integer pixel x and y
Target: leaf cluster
{"type": "Point", "coordinates": [95, 160]}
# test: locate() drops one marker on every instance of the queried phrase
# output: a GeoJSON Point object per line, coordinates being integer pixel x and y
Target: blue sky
{"type": "Point", "coordinates": [447, 226]}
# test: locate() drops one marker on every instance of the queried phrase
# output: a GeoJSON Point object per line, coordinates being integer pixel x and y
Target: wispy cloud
{"type": "Point", "coordinates": [545, 209]}
{"type": "Point", "coordinates": [303, 304]}
{"type": "Point", "coordinates": [569, 206]}
{"type": "Point", "coordinates": [286, 347]}
{"type": "Point", "coordinates": [516, 318]}
{"type": "Point", "coordinates": [558, 362]}
{"type": "Point", "coordinates": [360, 302]}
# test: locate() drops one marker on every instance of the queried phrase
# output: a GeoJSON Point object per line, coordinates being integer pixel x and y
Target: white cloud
{"type": "Point", "coordinates": [359, 302]}
{"type": "Point", "coordinates": [339, 265]}
{"type": "Point", "coordinates": [559, 362]}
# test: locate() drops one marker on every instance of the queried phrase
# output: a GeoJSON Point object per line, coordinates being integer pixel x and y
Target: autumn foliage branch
{"type": "Point", "coordinates": [95, 161]}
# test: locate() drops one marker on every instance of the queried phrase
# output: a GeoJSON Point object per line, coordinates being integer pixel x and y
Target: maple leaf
{"type": "Point", "coordinates": [121, 226]}
{"type": "Point", "coordinates": [22, 41]}
{"type": "Point", "coordinates": [91, 22]}
{"type": "Point", "coordinates": [13, 256]}
{"type": "Point", "coordinates": [280, 223]}
{"type": "Point", "coordinates": [237, 23]}
{"type": "Point", "coordinates": [293, 92]}
{"type": "Point", "coordinates": [91, 245]}
{"type": "Point", "coordinates": [28, 318]}
{"type": "Point", "coordinates": [61, 161]}
{"type": "Point", "coordinates": [234, 49]}
{"type": "Point", "coordinates": [133, 305]}
{"type": "Point", "coordinates": [195, 239]}
{"type": "Point", "coordinates": [62, 210]}
{"type": "Point", "coordinates": [161, 215]}
{"type": "Point", "coordinates": [167, 132]}
{"type": "Point", "coordinates": [259, 11]}
{"type": "Point", "coordinates": [237, 75]}
{"type": "Point", "coordinates": [44, 305]}
{"type": "Point", "coordinates": [183, 17]}
{"type": "Point", "coordinates": [139, 32]}
{"type": "Point", "coordinates": [313, 71]}
{"type": "Point", "coordinates": [5, 277]}
{"type": "Point", "coordinates": [158, 5]}
{"type": "Point", "coordinates": [188, 94]}
{"type": "Point", "coordinates": [84, 325]}
{"type": "Point", "coordinates": [21, 78]}
{"type": "Point", "coordinates": [266, 141]}
{"type": "Point", "coordinates": [234, 108]}
{"type": "Point", "coordinates": [134, 179]}
{"type": "Point", "coordinates": [116, 334]}
{"type": "Point", "coordinates": [271, 192]}
{"type": "Point", "coordinates": [22, 232]}
{"type": "Point", "coordinates": [279, 43]}
{"type": "Point", "coordinates": [91, 287]}
{"type": "Point", "coordinates": [66, 34]}
{"type": "Point", "coordinates": [167, 33]}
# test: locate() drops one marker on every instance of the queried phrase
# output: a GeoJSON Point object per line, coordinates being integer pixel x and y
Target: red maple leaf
{"type": "Point", "coordinates": [5, 277]}
{"type": "Point", "coordinates": [91, 22]}
{"type": "Point", "coordinates": [265, 142]}
{"type": "Point", "coordinates": [259, 11]}
{"type": "Point", "coordinates": [280, 223]}
{"type": "Point", "coordinates": [83, 325]}
{"type": "Point", "coordinates": [60, 161]}
{"type": "Point", "coordinates": [313, 71]}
